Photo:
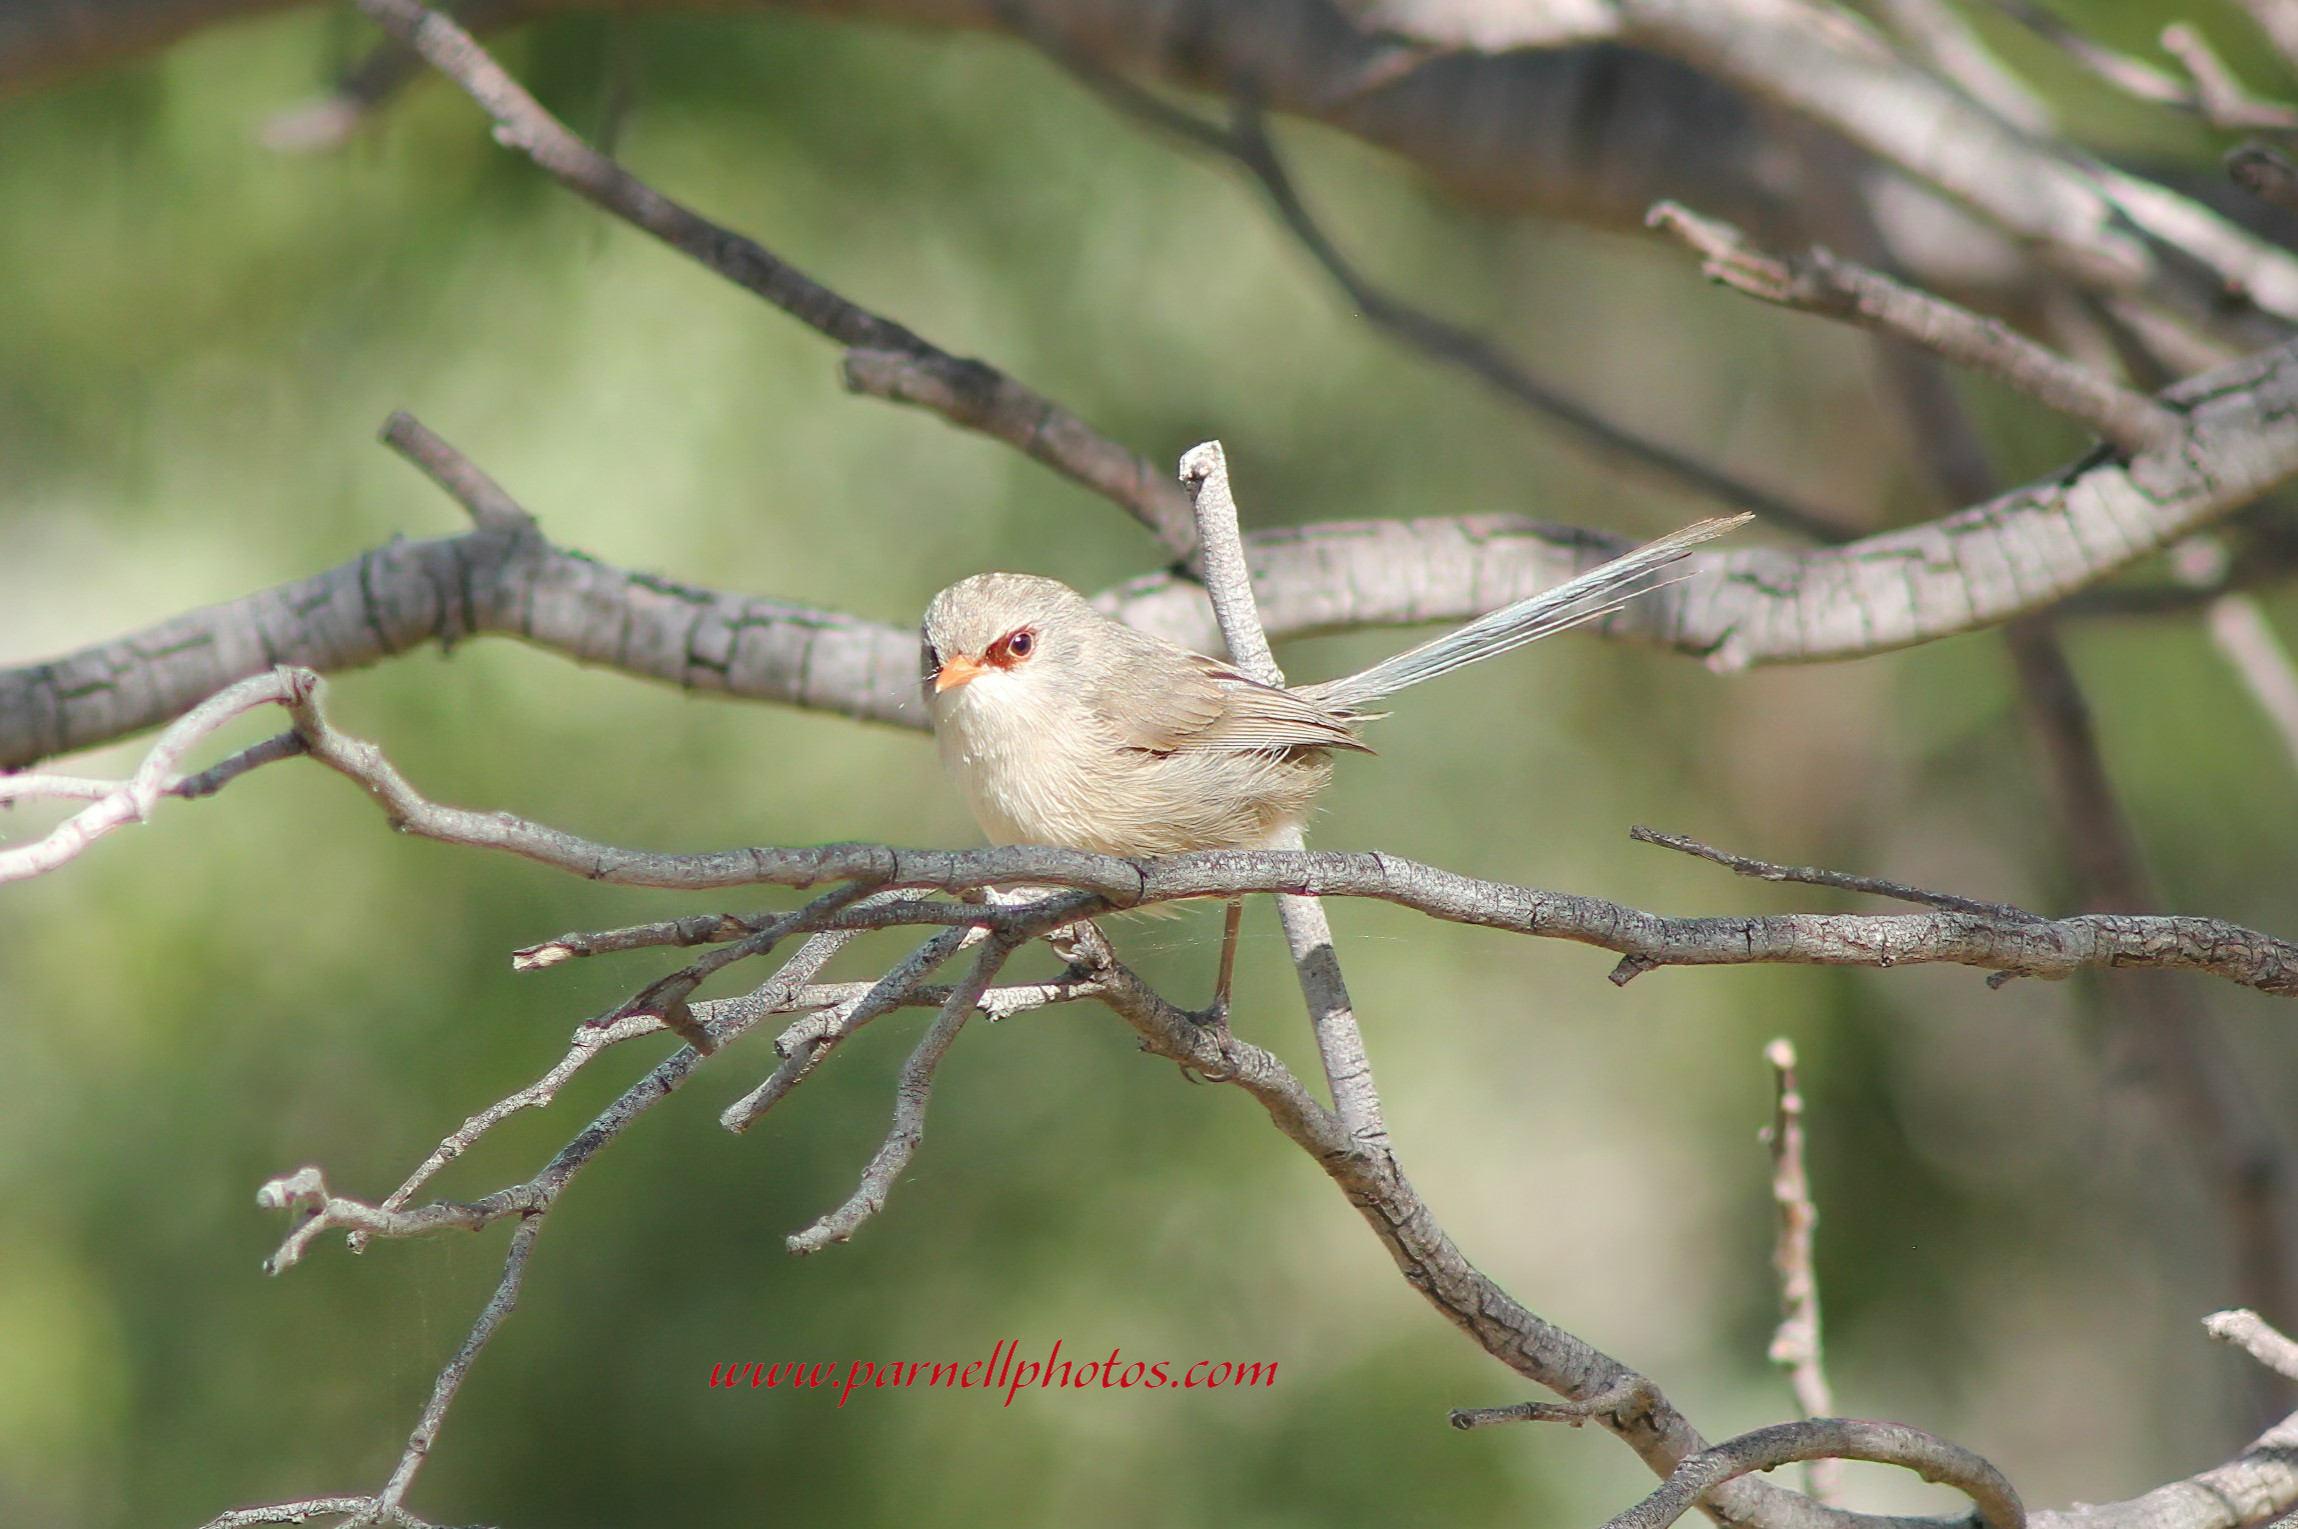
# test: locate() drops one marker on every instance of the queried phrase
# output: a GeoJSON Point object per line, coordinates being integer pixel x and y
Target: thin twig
{"type": "Point", "coordinates": [1947, 42]}
{"type": "Point", "coordinates": [2132, 76]}
{"type": "Point", "coordinates": [911, 1094]}
{"type": "Point", "coordinates": [490, 506]}
{"type": "Point", "coordinates": [327, 123]}
{"type": "Point", "coordinates": [589, 1042]}
{"type": "Point", "coordinates": [304, 1509]}
{"type": "Point", "coordinates": [1795, 1344]}
{"type": "Point", "coordinates": [971, 394]}
{"type": "Point", "coordinates": [1308, 934]}
{"type": "Point", "coordinates": [802, 1053]}
{"type": "Point", "coordinates": [694, 929]}
{"type": "Point", "coordinates": [132, 800]}
{"type": "Point", "coordinates": [1632, 1393]}
{"type": "Point", "coordinates": [1825, 283]}
{"type": "Point", "coordinates": [1764, 870]}
{"type": "Point", "coordinates": [451, 1377]}
{"type": "Point", "coordinates": [2255, 1336]}
{"type": "Point", "coordinates": [2219, 95]}
{"type": "Point", "coordinates": [666, 996]}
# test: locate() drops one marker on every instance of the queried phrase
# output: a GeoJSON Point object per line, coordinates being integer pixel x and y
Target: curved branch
{"type": "Point", "coordinates": [1934, 1459]}
{"type": "Point", "coordinates": [971, 394]}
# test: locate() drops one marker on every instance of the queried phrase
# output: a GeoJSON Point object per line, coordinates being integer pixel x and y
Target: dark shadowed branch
{"type": "Point", "coordinates": [968, 393]}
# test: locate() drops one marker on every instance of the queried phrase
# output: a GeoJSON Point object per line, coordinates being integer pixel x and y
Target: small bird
{"type": "Point", "coordinates": [1066, 728]}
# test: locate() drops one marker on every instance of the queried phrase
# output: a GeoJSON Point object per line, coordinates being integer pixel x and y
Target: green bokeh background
{"type": "Point", "coordinates": [198, 339]}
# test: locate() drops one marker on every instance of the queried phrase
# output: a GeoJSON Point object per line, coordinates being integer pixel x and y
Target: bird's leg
{"type": "Point", "coordinates": [1219, 1013]}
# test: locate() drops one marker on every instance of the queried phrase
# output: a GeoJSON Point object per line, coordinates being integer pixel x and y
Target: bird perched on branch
{"type": "Point", "coordinates": [1066, 728]}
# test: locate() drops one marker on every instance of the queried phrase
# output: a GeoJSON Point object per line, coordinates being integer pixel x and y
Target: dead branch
{"type": "Point", "coordinates": [2093, 228]}
{"type": "Point", "coordinates": [1795, 1344]}
{"type": "Point", "coordinates": [1308, 934]}
{"type": "Point", "coordinates": [972, 394]}
{"type": "Point", "coordinates": [2251, 1333]}
{"type": "Point", "coordinates": [1245, 142]}
{"type": "Point", "coordinates": [114, 804]}
{"type": "Point", "coordinates": [2012, 554]}
{"type": "Point", "coordinates": [1764, 870]}
{"type": "Point", "coordinates": [1823, 282]}
{"type": "Point", "coordinates": [1997, 1506]}
{"type": "Point", "coordinates": [805, 1048]}
{"type": "Point", "coordinates": [911, 1094]}
{"type": "Point", "coordinates": [2030, 946]}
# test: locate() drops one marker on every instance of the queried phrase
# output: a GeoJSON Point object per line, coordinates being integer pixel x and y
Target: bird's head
{"type": "Point", "coordinates": [1001, 629]}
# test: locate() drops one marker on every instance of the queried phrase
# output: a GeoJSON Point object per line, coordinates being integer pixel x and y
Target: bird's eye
{"type": "Point", "coordinates": [1012, 648]}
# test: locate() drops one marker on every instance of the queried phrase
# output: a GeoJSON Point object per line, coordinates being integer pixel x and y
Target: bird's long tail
{"type": "Point", "coordinates": [1592, 595]}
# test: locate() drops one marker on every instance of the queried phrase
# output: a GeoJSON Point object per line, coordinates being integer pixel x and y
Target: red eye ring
{"type": "Point", "coordinates": [1012, 648]}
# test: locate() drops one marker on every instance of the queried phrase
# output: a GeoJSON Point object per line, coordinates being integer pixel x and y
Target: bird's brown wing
{"type": "Point", "coordinates": [1167, 700]}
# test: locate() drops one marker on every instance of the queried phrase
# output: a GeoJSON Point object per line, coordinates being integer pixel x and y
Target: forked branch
{"type": "Point", "coordinates": [1822, 282]}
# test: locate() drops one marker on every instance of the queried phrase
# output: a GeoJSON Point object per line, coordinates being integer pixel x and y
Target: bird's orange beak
{"type": "Point", "coordinates": [955, 672]}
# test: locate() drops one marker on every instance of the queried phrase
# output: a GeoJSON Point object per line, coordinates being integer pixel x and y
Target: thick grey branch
{"type": "Point", "coordinates": [1820, 60]}
{"type": "Point", "coordinates": [2016, 553]}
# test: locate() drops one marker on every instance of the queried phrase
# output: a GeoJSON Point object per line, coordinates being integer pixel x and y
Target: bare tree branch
{"type": "Point", "coordinates": [2009, 555]}
{"type": "Point", "coordinates": [1372, 1181]}
{"type": "Point", "coordinates": [1246, 143]}
{"type": "Point", "coordinates": [2251, 1333]}
{"type": "Point", "coordinates": [2134, 77]}
{"type": "Point", "coordinates": [970, 394]}
{"type": "Point", "coordinates": [2094, 227]}
{"type": "Point", "coordinates": [2028, 946]}
{"type": "Point", "coordinates": [911, 1093]}
{"type": "Point", "coordinates": [307, 1508]}
{"type": "Point", "coordinates": [451, 1377]}
{"type": "Point", "coordinates": [1308, 934]}
{"type": "Point", "coordinates": [1943, 39]}
{"type": "Point", "coordinates": [1934, 1459]}
{"type": "Point", "coordinates": [114, 804]}
{"type": "Point", "coordinates": [804, 1050]}
{"type": "Point", "coordinates": [2218, 94]}
{"type": "Point", "coordinates": [1633, 1393]}
{"type": "Point", "coordinates": [1795, 1344]}
{"type": "Point", "coordinates": [1826, 283]}
{"type": "Point", "coordinates": [1764, 870]}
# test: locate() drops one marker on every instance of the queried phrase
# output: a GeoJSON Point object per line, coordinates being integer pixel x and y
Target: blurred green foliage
{"type": "Point", "coordinates": [197, 341]}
